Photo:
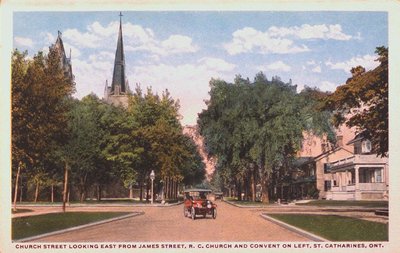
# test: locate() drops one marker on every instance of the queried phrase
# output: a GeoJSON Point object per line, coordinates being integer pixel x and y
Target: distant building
{"type": "Point", "coordinates": [65, 61]}
{"type": "Point", "coordinates": [360, 176]}
{"type": "Point", "coordinates": [210, 162]}
{"type": "Point", "coordinates": [348, 170]}
{"type": "Point", "coordinates": [118, 93]}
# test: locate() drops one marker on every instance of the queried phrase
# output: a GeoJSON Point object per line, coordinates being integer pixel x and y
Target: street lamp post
{"type": "Point", "coordinates": [152, 176]}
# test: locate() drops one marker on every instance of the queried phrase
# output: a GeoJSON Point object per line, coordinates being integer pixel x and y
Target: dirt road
{"type": "Point", "coordinates": [168, 224]}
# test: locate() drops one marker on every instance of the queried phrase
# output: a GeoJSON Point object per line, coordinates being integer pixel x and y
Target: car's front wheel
{"type": "Point", "coordinates": [193, 213]}
{"type": "Point", "coordinates": [214, 213]}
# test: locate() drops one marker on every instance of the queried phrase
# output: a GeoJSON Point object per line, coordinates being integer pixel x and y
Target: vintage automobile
{"type": "Point", "coordinates": [197, 203]}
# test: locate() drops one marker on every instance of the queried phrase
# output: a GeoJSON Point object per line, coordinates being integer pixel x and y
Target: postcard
{"type": "Point", "coordinates": [234, 126]}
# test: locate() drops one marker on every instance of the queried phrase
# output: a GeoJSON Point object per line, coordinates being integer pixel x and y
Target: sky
{"type": "Point", "coordinates": [182, 50]}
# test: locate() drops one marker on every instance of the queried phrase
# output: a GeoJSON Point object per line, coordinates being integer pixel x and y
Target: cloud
{"type": "Point", "coordinates": [279, 40]}
{"type": "Point", "coordinates": [91, 75]}
{"type": "Point", "coordinates": [316, 69]}
{"type": "Point", "coordinates": [217, 64]}
{"type": "Point", "coordinates": [328, 86]}
{"type": "Point", "coordinates": [135, 37]}
{"type": "Point", "coordinates": [278, 66]}
{"type": "Point", "coordinates": [178, 44]}
{"type": "Point", "coordinates": [82, 40]}
{"type": "Point", "coordinates": [367, 61]}
{"type": "Point", "coordinates": [250, 40]}
{"type": "Point", "coordinates": [22, 41]}
{"type": "Point", "coordinates": [188, 82]}
{"type": "Point", "coordinates": [307, 31]}
{"type": "Point", "coordinates": [311, 62]}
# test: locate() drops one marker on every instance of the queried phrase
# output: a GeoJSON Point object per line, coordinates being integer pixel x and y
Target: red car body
{"type": "Point", "coordinates": [196, 203]}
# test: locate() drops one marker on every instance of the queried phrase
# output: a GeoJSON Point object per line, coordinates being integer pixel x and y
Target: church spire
{"type": "Point", "coordinates": [118, 81]}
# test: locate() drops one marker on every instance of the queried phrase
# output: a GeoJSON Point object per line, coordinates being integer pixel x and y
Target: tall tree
{"type": "Point", "coordinates": [362, 102]}
{"type": "Point", "coordinates": [254, 129]}
{"type": "Point", "coordinates": [39, 91]}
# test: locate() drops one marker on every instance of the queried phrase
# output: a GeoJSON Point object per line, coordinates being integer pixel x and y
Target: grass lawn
{"type": "Point", "coordinates": [337, 228]}
{"type": "Point", "coordinates": [361, 203]}
{"type": "Point", "coordinates": [35, 225]}
{"type": "Point", "coordinates": [244, 202]}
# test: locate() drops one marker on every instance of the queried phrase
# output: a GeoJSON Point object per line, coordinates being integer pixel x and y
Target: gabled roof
{"type": "Point", "coordinates": [359, 137]}
{"type": "Point", "coordinates": [331, 152]}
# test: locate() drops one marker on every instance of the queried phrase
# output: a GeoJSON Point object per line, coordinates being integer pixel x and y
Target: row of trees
{"type": "Point", "coordinates": [86, 145]}
{"type": "Point", "coordinates": [255, 129]}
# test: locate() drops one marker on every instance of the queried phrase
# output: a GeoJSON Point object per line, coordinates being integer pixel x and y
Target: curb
{"type": "Point", "coordinates": [297, 208]}
{"type": "Point", "coordinates": [242, 206]}
{"type": "Point", "coordinates": [78, 227]}
{"type": "Point", "coordinates": [102, 205]}
{"type": "Point", "coordinates": [297, 230]}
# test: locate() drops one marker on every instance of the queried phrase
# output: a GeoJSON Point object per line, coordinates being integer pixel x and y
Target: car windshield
{"type": "Point", "coordinates": [196, 195]}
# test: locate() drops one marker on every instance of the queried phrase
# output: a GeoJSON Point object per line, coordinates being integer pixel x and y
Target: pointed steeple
{"type": "Point", "coordinates": [118, 82]}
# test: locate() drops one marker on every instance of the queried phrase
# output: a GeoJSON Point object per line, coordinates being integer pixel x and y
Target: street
{"type": "Point", "coordinates": [167, 224]}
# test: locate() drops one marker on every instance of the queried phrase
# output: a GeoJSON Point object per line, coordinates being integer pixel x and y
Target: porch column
{"type": "Point", "coordinates": [357, 193]}
{"type": "Point", "coordinates": [356, 168]}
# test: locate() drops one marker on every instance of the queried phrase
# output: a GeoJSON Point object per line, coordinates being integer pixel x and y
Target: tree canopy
{"type": "Point", "coordinates": [255, 128]}
{"type": "Point", "coordinates": [362, 102]}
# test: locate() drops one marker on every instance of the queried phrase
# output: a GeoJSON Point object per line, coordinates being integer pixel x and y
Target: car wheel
{"type": "Point", "coordinates": [193, 213]}
{"type": "Point", "coordinates": [214, 213]}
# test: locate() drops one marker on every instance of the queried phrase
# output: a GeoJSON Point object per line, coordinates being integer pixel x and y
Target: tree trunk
{"type": "Point", "coordinates": [253, 185]}
{"type": "Point", "coordinates": [166, 188]}
{"type": "Point", "coordinates": [98, 192]}
{"type": "Point", "coordinates": [82, 197]}
{"type": "Point", "coordinates": [147, 191]}
{"type": "Point", "coordinates": [65, 191]}
{"type": "Point", "coordinates": [131, 191]}
{"type": "Point", "coordinates": [264, 188]}
{"type": "Point", "coordinates": [37, 192]}
{"type": "Point", "coordinates": [176, 190]}
{"type": "Point", "coordinates": [52, 193]}
{"type": "Point", "coordinates": [141, 191]}
{"type": "Point", "coordinates": [20, 192]}
{"type": "Point", "coordinates": [16, 186]}
{"type": "Point", "coordinates": [239, 190]}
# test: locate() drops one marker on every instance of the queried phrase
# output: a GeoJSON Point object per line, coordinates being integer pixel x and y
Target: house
{"type": "Point", "coordinates": [309, 177]}
{"type": "Point", "coordinates": [360, 176]}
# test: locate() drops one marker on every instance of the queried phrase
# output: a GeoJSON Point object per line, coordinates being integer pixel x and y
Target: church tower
{"type": "Point", "coordinates": [65, 61]}
{"type": "Point", "coordinates": [117, 94]}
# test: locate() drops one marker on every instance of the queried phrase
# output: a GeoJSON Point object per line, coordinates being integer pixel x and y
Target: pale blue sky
{"type": "Point", "coordinates": [183, 50]}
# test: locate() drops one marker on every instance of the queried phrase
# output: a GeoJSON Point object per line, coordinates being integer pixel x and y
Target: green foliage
{"type": "Point", "coordinates": [148, 136]}
{"type": "Point", "coordinates": [363, 102]}
{"type": "Point", "coordinates": [40, 90]}
{"type": "Point", "coordinates": [257, 126]}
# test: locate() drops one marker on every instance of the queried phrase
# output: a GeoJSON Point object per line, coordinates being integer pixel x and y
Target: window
{"type": "Point", "coordinates": [327, 167]}
{"type": "Point", "coordinates": [366, 146]}
{"type": "Point", "coordinates": [370, 175]}
{"type": "Point", "coordinates": [378, 175]}
{"type": "Point", "coordinates": [327, 186]}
